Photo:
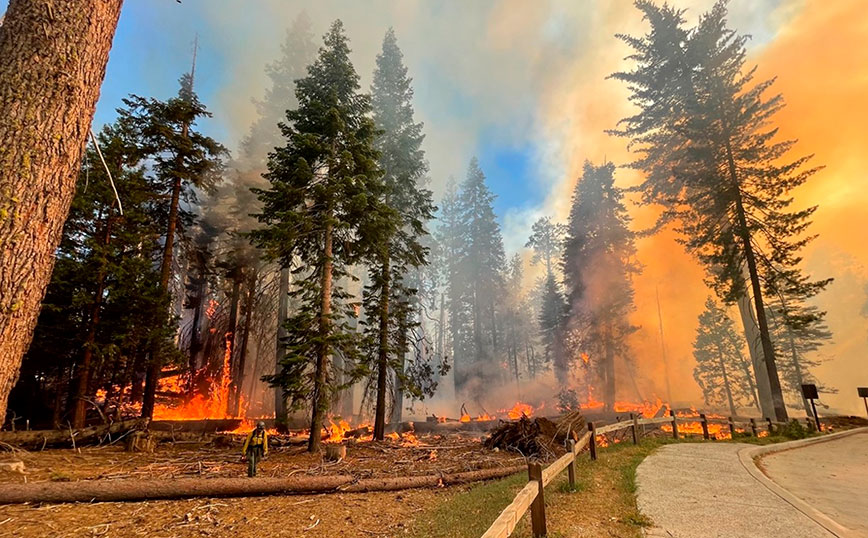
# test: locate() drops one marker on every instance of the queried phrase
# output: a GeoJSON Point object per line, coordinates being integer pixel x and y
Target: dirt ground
{"type": "Point", "coordinates": [430, 454]}
{"type": "Point", "coordinates": [373, 514]}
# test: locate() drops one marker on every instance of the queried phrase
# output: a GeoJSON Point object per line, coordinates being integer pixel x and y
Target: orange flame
{"type": "Point", "coordinates": [518, 410]}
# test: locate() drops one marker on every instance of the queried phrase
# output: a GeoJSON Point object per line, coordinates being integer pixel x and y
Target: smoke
{"type": "Point", "coordinates": [533, 74]}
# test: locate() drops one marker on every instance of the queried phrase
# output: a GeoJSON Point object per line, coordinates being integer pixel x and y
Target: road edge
{"type": "Point", "coordinates": [748, 455]}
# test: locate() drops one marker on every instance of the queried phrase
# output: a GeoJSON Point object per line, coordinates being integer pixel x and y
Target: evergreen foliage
{"type": "Point", "coordinates": [711, 158]}
{"type": "Point", "coordinates": [721, 371]}
{"type": "Point", "coordinates": [324, 208]}
{"type": "Point", "coordinates": [598, 264]}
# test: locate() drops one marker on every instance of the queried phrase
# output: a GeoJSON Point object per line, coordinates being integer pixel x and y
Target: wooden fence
{"type": "Point", "coordinates": [532, 495]}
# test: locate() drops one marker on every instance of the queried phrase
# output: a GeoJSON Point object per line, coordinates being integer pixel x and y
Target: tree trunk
{"type": "Point", "coordinates": [383, 350]}
{"type": "Point", "coordinates": [797, 368]}
{"type": "Point", "coordinates": [768, 349]}
{"type": "Point", "coordinates": [230, 335]}
{"type": "Point", "coordinates": [609, 394]}
{"type": "Point", "coordinates": [155, 364]}
{"type": "Point", "coordinates": [282, 310]}
{"type": "Point", "coordinates": [195, 342]}
{"type": "Point", "coordinates": [758, 367]}
{"type": "Point", "coordinates": [52, 62]}
{"type": "Point", "coordinates": [83, 377]}
{"type": "Point", "coordinates": [398, 400]}
{"type": "Point", "coordinates": [320, 397]}
{"type": "Point", "coordinates": [245, 338]}
{"type": "Point", "coordinates": [726, 386]}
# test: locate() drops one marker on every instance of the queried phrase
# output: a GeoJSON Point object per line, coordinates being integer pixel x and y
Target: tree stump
{"type": "Point", "coordinates": [335, 452]}
{"type": "Point", "coordinates": [140, 442]}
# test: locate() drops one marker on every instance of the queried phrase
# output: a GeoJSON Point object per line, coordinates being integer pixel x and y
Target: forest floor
{"type": "Point", "coordinates": [428, 454]}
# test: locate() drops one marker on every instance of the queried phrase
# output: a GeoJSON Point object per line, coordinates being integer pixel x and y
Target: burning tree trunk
{"type": "Point", "coordinates": [52, 62]}
{"type": "Point", "coordinates": [238, 381]}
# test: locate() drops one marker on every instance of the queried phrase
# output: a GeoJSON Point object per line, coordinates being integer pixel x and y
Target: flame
{"type": "Point", "coordinates": [646, 408]}
{"type": "Point", "coordinates": [211, 309]}
{"type": "Point", "coordinates": [215, 405]}
{"type": "Point", "coordinates": [484, 417]}
{"type": "Point", "coordinates": [465, 418]}
{"type": "Point", "coordinates": [585, 358]}
{"type": "Point", "coordinates": [518, 410]}
{"type": "Point", "coordinates": [336, 430]}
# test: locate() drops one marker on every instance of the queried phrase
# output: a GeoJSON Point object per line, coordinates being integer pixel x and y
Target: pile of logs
{"type": "Point", "coordinates": [539, 437]}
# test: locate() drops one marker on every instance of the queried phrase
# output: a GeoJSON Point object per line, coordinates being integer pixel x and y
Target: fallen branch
{"type": "Point", "coordinates": [141, 490]}
{"type": "Point", "coordinates": [37, 438]}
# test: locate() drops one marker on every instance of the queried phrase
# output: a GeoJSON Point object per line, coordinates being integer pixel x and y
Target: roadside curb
{"type": "Point", "coordinates": [747, 457]}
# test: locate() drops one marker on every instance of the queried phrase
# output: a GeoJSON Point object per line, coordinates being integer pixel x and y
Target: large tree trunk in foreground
{"type": "Point", "coordinates": [53, 57]}
{"type": "Point", "coordinates": [140, 490]}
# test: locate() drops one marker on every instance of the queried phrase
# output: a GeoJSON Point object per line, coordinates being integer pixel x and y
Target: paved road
{"type": "Point", "coordinates": [832, 477]}
{"type": "Point", "coordinates": [701, 490]}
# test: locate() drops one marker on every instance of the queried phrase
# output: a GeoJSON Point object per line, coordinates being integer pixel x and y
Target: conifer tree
{"type": "Point", "coordinates": [551, 319]}
{"type": "Point", "coordinates": [711, 159]}
{"type": "Point", "coordinates": [323, 207]}
{"type": "Point", "coordinates": [598, 264]}
{"type": "Point", "coordinates": [182, 160]}
{"type": "Point", "coordinates": [799, 330]}
{"type": "Point", "coordinates": [103, 303]}
{"type": "Point", "coordinates": [452, 249]}
{"type": "Point", "coordinates": [720, 364]}
{"type": "Point", "coordinates": [547, 243]}
{"type": "Point", "coordinates": [390, 295]}
{"type": "Point", "coordinates": [483, 268]}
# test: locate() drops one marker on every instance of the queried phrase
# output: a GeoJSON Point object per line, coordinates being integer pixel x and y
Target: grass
{"type": "Point", "coordinates": [602, 504]}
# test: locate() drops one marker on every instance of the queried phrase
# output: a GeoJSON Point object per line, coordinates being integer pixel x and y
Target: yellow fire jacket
{"type": "Point", "coordinates": [256, 438]}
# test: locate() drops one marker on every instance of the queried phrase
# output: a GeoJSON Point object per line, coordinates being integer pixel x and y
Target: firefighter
{"type": "Point", "coordinates": [255, 448]}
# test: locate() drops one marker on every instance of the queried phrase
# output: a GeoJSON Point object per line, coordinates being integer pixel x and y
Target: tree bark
{"type": "Point", "coordinates": [152, 376]}
{"type": "Point", "coordinates": [140, 490]}
{"type": "Point", "coordinates": [383, 350]}
{"type": "Point", "coordinates": [53, 57]}
{"type": "Point", "coordinates": [282, 311]}
{"type": "Point", "coordinates": [726, 385]}
{"type": "Point", "coordinates": [83, 377]}
{"type": "Point", "coordinates": [768, 349]}
{"type": "Point", "coordinates": [245, 338]}
{"type": "Point", "coordinates": [320, 397]}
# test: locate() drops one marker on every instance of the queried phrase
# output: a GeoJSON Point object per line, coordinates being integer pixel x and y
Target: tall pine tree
{"type": "Point", "coordinates": [390, 295]}
{"type": "Point", "coordinates": [711, 159]}
{"type": "Point", "coordinates": [324, 207]}
{"type": "Point", "coordinates": [599, 263]}
{"type": "Point", "coordinates": [482, 270]}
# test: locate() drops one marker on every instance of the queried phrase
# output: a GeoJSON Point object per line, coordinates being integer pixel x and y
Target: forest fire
{"type": "Point", "coordinates": [520, 409]}
{"type": "Point", "coordinates": [646, 409]}
{"type": "Point", "coordinates": [212, 406]}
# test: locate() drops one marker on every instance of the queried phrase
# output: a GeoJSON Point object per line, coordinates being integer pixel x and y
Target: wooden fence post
{"type": "Point", "coordinates": [538, 507]}
{"type": "Point", "coordinates": [571, 468]}
{"type": "Point", "coordinates": [635, 429]}
{"type": "Point", "coordinates": [593, 444]}
{"type": "Point", "coordinates": [771, 426]}
{"type": "Point", "coordinates": [674, 424]}
{"type": "Point", "coordinates": [731, 427]}
{"type": "Point", "coordinates": [704, 426]}
{"type": "Point", "coordinates": [753, 426]}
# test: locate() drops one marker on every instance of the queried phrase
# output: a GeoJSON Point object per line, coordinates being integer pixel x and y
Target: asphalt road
{"type": "Point", "coordinates": [702, 490]}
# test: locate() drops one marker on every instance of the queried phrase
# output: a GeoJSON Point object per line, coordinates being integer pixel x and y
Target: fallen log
{"type": "Point", "coordinates": [142, 490]}
{"type": "Point", "coordinates": [40, 438]}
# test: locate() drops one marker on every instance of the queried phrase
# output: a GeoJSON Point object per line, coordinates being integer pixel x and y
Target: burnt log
{"type": "Point", "coordinates": [52, 438]}
{"type": "Point", "coordinates": [141, 490]}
